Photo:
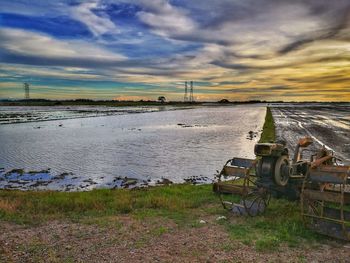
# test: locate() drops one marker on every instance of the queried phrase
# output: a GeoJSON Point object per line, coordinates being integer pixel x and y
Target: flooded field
{"type": "Point", "coordinates": [126, 150]}
{"type": "Point", "coordinates": [19, 114]}
{"type": "Point", "coordinates": [327, 124]}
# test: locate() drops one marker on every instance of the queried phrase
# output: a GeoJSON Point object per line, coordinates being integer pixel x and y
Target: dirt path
{"type": "Point", "coordinates": [327, 125]}
{"type": "Point", "coordinates": [125, 239]}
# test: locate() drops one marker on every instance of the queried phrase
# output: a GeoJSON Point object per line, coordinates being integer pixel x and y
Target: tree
{"type": "Point", "coordinates": [224, 101]}
{"type": "Point", "coordinates": [161, 99]}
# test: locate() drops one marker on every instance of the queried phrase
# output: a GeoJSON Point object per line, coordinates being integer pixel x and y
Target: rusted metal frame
{"type": "Point", "coordinates": [222, 171]}
{"type": "Point", "coordinates": [325, 218]}
{"type": "Point", "coordinates": [332, 212]}
{"type": "Point", "coordinates": [322, 177]}
{"type": "Point", "coordinates": [320, 161]}
{"type": "Point", "coordinates": [314, 206]}
{"type": "Point", "coordinates": [302, 198]}
{"type": "Point", "coordinates": [228, 188]}
{"type": "Point", "coordinates": [334, 169]}
{"type": "Point", "coordinates": [233, 171]}
{"type": "Point", "coordinates": [322, 202]}
{"type": "Point", "coordinates": [342, 187]}
{"type": "Point", "coordinates": [323, 196]}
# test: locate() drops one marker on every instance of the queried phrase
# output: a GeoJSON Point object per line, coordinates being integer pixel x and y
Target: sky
{"type": "Point", "coordinates": [142, 49]}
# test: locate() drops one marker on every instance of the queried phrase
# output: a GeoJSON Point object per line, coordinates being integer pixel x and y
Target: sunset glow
{"type": "Point", "coordinates": [234, 49]}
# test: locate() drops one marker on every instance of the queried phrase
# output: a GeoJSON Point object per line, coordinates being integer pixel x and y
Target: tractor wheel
{"type": "Point", "coordinates": [256, 201]}
{"type": "Point", "coordinates": [282, 171]}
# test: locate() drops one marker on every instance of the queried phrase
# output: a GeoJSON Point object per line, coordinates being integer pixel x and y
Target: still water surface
{"type": "Point", "coordinates": [146, 146]}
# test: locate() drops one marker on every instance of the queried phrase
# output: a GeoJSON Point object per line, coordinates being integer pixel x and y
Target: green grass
{"type": "Point", "coordinates": [269, 130]}
{"type": "Point", "coordinates": [281, 224]}
{"type": "Point", "coordinates": [175, 201]}
{"type": "Point", "coordinates": [185, 204]}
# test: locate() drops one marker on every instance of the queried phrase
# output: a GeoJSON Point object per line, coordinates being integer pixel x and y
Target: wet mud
{"type": "Point", "coordinates": [19, 179]}
{"type": "Point", "coordinates": [328, 125]}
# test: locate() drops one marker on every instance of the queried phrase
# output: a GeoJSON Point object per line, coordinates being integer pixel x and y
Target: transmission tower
{"type": "Point", "coordinates": [26, 91]}
{"type": "Point", "coordinates": [186, 95]}
{"type": "Point", "coordinates": [191, 91]}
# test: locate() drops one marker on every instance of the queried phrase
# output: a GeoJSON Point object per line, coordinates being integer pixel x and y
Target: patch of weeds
{"type": "Point", "coordinates": [267, 243]}
{"type": "Point", "coordinates": [196, 224]}
{"type": "Point", "coordinates": [227, 247]}
{"type": "Point", "coordinates": [69, 260]}
{"type": "Point", "coordinates": [213, 210]}
{"type": "Point", "coordinates": [52, 256]}
{"type": "Point", "coordinates": [302, 259]}
{"type": "Point", "coordinates": [34, 247]}
{"type": "Point", "coordinates": [103, 222]}
{"type": "Point", "coordinates": [141, 242]}
{"type": "Point", "coordinates": [180, 217]}
{"type": "Point", "coordinates": [241, 232]}
{"type": "Point", "coordinates": [159, 231]}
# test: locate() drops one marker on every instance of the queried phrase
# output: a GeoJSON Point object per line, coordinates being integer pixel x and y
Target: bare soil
{"type": "Point", "coordinates": [127, 239]}
{"type": "Point", "coordinates": [327, 126]}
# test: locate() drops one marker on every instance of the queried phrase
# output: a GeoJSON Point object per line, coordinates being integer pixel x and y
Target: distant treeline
{"type": "Point", "coordinates": [46, 102]}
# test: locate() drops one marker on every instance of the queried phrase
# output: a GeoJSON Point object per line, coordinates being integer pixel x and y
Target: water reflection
{"type": "Point", "coordinates": [149, 147]}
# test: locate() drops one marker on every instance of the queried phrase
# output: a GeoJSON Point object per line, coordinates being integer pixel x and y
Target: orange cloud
{"type": "Point", "coordinates": [132, 97]}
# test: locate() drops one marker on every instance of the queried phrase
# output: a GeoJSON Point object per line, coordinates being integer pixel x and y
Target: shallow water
{"type": "Point", "coordinates": [18, 114]}
{"type": "Point", "coordinates": [96, 151]}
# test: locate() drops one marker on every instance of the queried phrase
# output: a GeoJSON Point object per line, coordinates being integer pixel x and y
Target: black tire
{"type": "Point", "coordinates": [282, 167]}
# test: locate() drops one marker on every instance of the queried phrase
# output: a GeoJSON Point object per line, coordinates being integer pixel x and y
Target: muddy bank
{"type": "Point", "coordinates": [44, 180]}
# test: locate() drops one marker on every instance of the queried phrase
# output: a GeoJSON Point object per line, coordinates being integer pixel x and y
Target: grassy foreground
{"type": "Point", "coordinates": [185, 205]}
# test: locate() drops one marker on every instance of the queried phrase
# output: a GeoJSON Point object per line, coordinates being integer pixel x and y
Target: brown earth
{"type": "Point", "coordinates": [127, 239]}
{"type": "Point", "coordinates": [327, 126]}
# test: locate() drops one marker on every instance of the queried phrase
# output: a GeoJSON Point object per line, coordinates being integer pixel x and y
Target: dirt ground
{"type": "Point", "coordinates": [126, 239]}
{"type": "Point", "coordinates": [328, 125]}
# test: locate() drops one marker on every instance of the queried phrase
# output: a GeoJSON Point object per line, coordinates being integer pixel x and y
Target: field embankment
{"type": "Point", "coordinates": [175, 223]}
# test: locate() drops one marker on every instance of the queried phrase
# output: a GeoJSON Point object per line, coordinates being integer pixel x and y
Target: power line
{"type": "Point", "coordinates": [26, 91]}
{"type": "Point", "coordinates": [191, 92]}
{"type": "Point", "coordinates": [186, 94]}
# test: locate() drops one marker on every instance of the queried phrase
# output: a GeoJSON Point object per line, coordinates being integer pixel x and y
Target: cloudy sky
{"type": "Point", "coordinates": [139, 49]}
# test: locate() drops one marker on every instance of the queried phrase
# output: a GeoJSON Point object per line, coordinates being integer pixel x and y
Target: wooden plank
{"type": "Point", "coordinates": [235, 171]}
{"type": "Point", "coordinates": [322, 196]}
{"type": "Point", "coordinates": [227, 188]}
{"type": "Point", "coordinates": [242, 162]}
{"type": "Point", "coordinates": [330, 174]}
{"type": "Point", "coordinates": [327, 177]}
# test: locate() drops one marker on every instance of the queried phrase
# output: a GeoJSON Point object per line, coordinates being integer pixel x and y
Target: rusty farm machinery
{"type": "Point", "coordinates": [320, 183]}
